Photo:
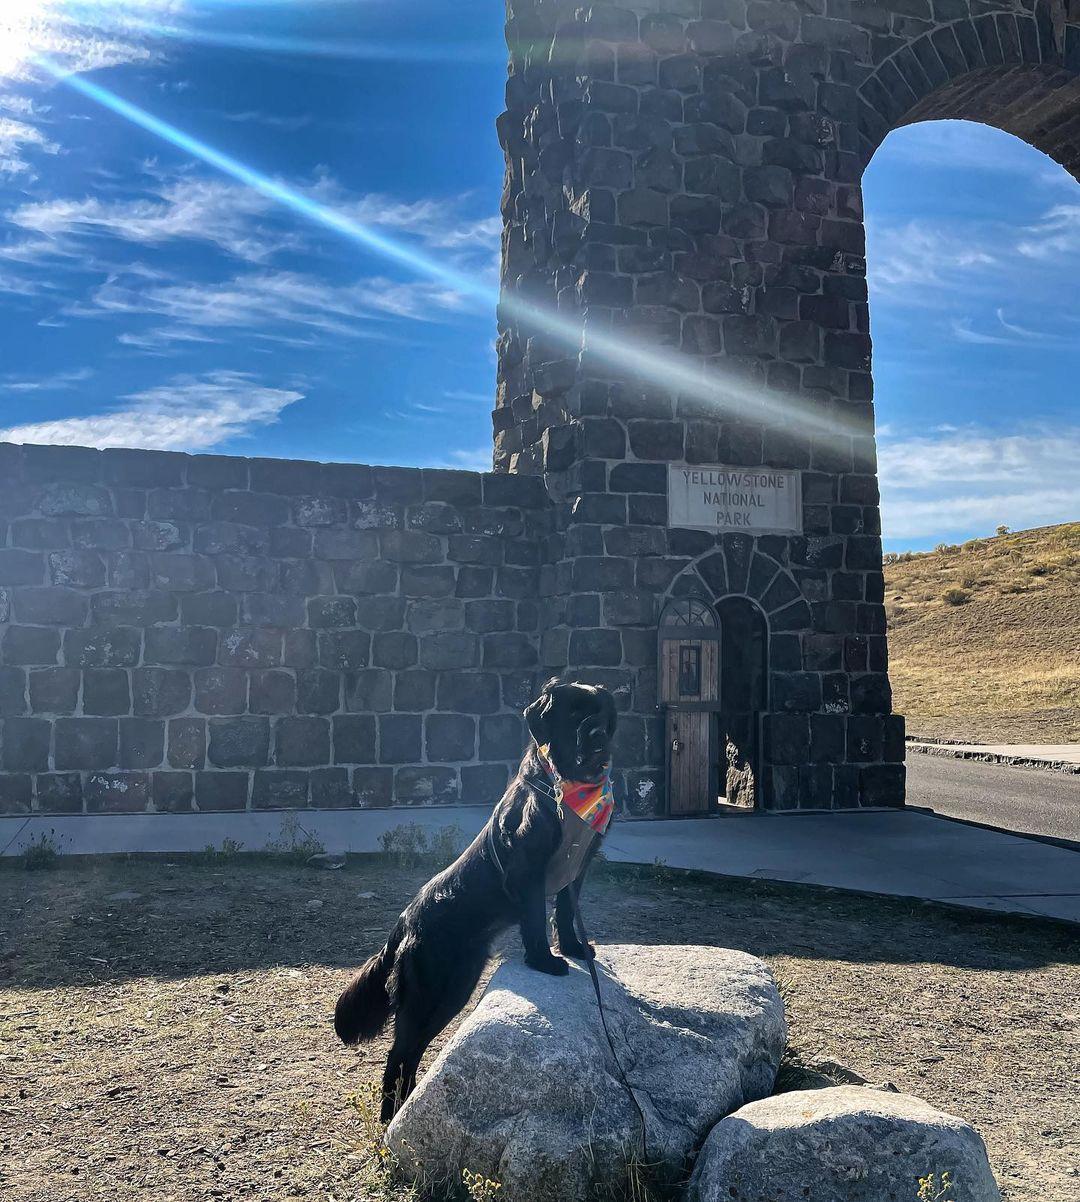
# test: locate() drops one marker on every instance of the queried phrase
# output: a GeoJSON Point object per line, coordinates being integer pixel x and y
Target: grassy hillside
{"type": "Point", "coordinates": [984, 637]}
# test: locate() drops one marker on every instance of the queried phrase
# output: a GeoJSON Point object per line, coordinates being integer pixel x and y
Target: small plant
{"type": "Point", "coordinates": [229, 849]}
{"type": "Point", "coordinates": [41, 853]}
{"type": "Point", "coordinates": [933, 1190]}
{"type": "Point", "coordinates": [409, 845]}
{"type": "Point", "coordinates": [956, 596]}
{"type": "Point", "coordinates": [294, 842]}
{"type": "Point", "coordinates": [480, 1188]}
{"type": "Point", "coordinates": [1000, 530]}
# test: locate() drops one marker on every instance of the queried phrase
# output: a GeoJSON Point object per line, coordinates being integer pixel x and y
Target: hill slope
{"type": "Point", "coordinates": [984, 637]}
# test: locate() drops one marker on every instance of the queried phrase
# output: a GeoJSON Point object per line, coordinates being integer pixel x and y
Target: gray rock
{"type": "Point", "coordinates": [527, 1093]}
{"type": "Point", "coordinates": [847, 1144]}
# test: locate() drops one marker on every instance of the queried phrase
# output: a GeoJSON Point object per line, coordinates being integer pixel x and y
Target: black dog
{"type": "Point", "coordinates": [528, 851]}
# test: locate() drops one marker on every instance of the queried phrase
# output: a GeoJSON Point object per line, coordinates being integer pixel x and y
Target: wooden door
{"type": "Point", "coordinates": [690, 761]}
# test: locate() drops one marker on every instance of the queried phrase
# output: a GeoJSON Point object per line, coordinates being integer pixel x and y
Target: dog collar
{"type": "Point", "coordinates": [592, 801]}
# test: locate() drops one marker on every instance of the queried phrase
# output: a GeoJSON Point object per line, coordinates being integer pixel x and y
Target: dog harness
{"type": "Point", "coordinates": [584, 810]}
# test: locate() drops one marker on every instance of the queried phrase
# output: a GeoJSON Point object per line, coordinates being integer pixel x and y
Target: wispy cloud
{"type": "Point", "coordinates": [281, 306]}
{"type": "Point", "coordinates": [973, 478]}
{"type": "Point", "coordinates": [189, 413]}
{"type": "Point", "coordinates": [192, 209]}
{"type": "Point", "coordinates": [912, 261]}
{"type": "Point", "coordinates": [15, 138]}
{"type": "Point", "coordinates": [1056, 234]}
{"type": "Point", "coordinates": [58, 382]}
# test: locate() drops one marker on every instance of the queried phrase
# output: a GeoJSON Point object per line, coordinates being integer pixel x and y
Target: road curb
{"type": "Point", "coordinates": [947, 751]}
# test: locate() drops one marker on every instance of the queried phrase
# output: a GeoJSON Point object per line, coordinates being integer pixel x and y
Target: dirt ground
{"type": "Point", "coordinates": [165, 1027]}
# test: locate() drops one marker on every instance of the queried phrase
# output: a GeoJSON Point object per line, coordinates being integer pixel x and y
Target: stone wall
{"type": "Point", "coordinates": [683, 181]}
{"type": "Point", "coordinates": [205, 633]}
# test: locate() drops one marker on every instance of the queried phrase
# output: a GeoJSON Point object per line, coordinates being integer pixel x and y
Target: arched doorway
{"type": "Point", "coordinates": [713, 669]}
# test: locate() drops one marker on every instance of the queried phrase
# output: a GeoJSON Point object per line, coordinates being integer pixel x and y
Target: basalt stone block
{"type": "Point", "coordinates": [189, 645]}
{"type": "Point", "coordinates": [474, 581]}
{"type": "Point", "coordinates": [380, 613]}
{"type": "Point", "coordinates": [425, 617]}
{"type": "Point", "coordinates": [509, 649]}
{"type": "Point", "coordinates": [117, 792]}
{"type": "Point", "coordinates": [102, 647]}
{"type": "Point", "coordinates": [331, 612]}
{"type": "Point", "coordinates": [133, 607]}
{"type": "Point", "coordinates": [373, 787]}
{"type": "Point", "coordinates": [502, 737]}
{"type": "Point", "coordinates": [484, 617]}
{"type": "Point", "coordinates": [344, 650]}
{"type": "Point", "coordinates": [221, 691]}
{"type": "Point", "coordinates": [882, 785]}
{"type": "Point", "coordinates": [318, 691]}
{"type": "Point", "coordinates": [106, 691]}
{"type": "Point", "coordinates": [208, 609]}
{"type": "Point", "coordinates": [449, 649]}
{"type": "Point", "coordinates": [426, 786]}
{"type": "Point", "coordinates": [172, 792]}
{"type": "Point", "coordinates": [86, 744]}
{"type": "Point", "coordinates": [796, 692]}
{"type": "Point", "coordinates": [414, 691]}
{"type": "Point", "coordinates": [239, 742]}
{"type": "Point", "coordinates": [434, 580]}
{"type": "Point", "coordinates": [301, 741]}
{"type": "Point", "coordinates": [354, 739]}
{"type": "Point", "coordinates": [468, 692]}
{"type": "Point", "coordinates": [74, 500]}
{"type": "Point", "coordinates": [483, 783]}
{"type": "Point", "coordinates": [59, 792]}
{"type": "Point", "coordinates": [178, 572]}
{"type": "Point", "coordinates": [26, 744]}
{"type": "Point", "coordinates": [595, 647]}
{"type": "Point", "coordinates": [215, 791]}
{"type": "Point", "coordinates": [449, 738]}
{"type": "Point", "coordinates": [394, 649]}
{"type": "Point", "coordinates": [187, 742]}
{"type": "Point", "coordinates": [300, 649]}
{"type": "Point", "coordinates": [272, 692]}
{"type": "Point", "coordinates": [16, 791]}
{"type": "Point", "coordinates": [30, 645]}
{"type": "Point", "coordinates": [160, 692]}
{"type": "Point", "coordinates": [52, 691]}
{"type": "Point", "coordinates": [871, 694]}
{"type": "Point", "coordinates": [411, 547]}
{"type": "Point", "coordinates": [275, 790]}
{"type": "Point", "coordinates": [50, 605]}
{"type": "Point", "coordinates": [369, 690]}
{"type": "Point", "coordinates": [142, 742]}
{"type": "Point", "coordinates": [329, 788]}
{"type": "Point", "coordinates": [400, 740]}
{"type": "Point", "coordinates": [789, 738]}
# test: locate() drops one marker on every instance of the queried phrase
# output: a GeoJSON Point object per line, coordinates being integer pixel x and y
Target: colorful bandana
{"type": "Point", "coordinates": [593, 803]}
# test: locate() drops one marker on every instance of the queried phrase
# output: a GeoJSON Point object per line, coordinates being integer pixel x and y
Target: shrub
{"type": "Point", "coordinates": [1000, 530]}
{"type": "Point", "coordinates": [956, 596]}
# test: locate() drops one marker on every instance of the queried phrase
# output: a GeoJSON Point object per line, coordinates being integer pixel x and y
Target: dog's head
{"type": "Point", "coordinates": [577, 722]}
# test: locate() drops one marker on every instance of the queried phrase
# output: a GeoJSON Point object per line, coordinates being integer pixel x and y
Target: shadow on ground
{"type": "Point", "coordinates": [110, 920]}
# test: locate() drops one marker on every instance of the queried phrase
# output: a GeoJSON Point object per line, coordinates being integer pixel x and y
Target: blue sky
{"type": "Point", "coordinates": [148, 300]}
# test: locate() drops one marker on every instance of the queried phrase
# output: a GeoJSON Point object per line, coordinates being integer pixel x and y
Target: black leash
{"type": "Point", "coordinates": [583, 939]}
{"type": "Point", "coordinates": [545, 790]}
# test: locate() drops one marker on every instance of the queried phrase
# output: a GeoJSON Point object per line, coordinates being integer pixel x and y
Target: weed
{"type": "Point", "coordinates": [480, 1188]}
{"type": "Point", "coordinates": [228, 850]}
{"type": "Point", "coordinates": [41, 853]}
{"type": "Point", "coordinates": [956, 596]}
{"type": "Point", "coordinates": [410, 846]}
{"type": "Point", "coordinates": [933, 1190]}
{"type": "Point", "coordinates": [294, 843]}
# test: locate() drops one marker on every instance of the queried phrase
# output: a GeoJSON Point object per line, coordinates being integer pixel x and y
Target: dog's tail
{"type": "Point", "coordinates": [370, 997]}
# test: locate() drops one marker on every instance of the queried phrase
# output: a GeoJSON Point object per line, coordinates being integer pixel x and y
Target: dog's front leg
{"type": "Point", "coordinates": [569, 942]}
{"type": "Point", "coordinates": [534, 935]}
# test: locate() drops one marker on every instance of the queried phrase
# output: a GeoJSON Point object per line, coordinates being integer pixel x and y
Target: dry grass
{"type": "Point", "coordinates": [177, 1045]}
{"type": "Point", "coordinates": [984, 637]}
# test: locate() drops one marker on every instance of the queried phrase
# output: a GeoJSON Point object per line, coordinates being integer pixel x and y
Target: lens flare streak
{"type": "Point", "coordinates": [673, 371]}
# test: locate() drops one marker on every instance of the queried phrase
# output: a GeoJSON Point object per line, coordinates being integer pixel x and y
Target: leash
{"type": "Point", "coordinates": [583, 939]}
{"type": "Point", "coordinates": [544, 789]}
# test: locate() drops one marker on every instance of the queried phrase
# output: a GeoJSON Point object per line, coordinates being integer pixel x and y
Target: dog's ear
{"type": "Point", "coordinates": [537, 718]}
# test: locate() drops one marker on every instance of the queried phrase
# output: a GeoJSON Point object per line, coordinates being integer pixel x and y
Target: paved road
{"type": "Point", "coordinates": [1031, 800]}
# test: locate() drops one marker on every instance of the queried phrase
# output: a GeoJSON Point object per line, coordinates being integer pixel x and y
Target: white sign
{"type": "Point", "coordinates": [758, 499]}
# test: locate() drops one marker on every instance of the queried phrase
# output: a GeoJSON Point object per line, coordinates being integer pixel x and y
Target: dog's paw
{"type": "Point", "coordinates": [554, 966]}
{"type": "Point", "coordinates": [578, 951]}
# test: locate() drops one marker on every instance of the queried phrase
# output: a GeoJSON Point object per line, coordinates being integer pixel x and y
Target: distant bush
{"type": "Point", "coordinates": [956, 596]}
{"type": "Point", "coordinates": [1001, 530]}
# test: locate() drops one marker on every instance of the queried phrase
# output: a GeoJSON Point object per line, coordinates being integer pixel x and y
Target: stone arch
{"type": "Point", "coordinates": [1016, 70]}
{"type": "Point", "coordinates": [738, 568]}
